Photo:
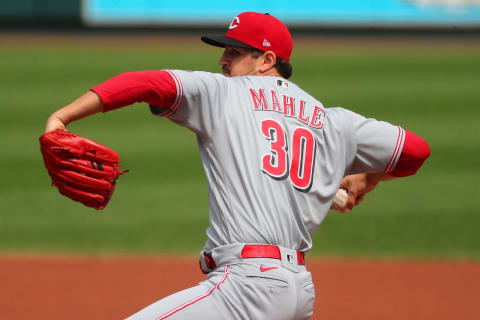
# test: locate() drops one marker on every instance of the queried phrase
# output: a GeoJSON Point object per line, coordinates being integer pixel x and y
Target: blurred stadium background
{"type": "Point", "coordinates": [411, 62]}
{"type": "Point", "coordinates": [188, 13]}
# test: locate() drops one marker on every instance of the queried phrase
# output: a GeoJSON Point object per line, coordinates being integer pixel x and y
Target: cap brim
{"type": "Point", "coordinates": [222, 41]}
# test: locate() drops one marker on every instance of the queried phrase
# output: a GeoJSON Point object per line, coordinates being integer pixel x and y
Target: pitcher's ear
{"type": "Point", "coordinates": [269, 61]}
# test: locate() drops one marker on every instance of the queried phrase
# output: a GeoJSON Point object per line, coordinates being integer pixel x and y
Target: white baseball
{"type": "Point", "coordinates": [341, 198]}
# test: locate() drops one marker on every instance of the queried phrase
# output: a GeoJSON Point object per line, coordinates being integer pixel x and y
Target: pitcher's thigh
{"type": "Point", "coordinates": [199, 302]}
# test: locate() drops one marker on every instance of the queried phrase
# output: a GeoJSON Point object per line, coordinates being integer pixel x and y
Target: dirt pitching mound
{"type": "Point", "coordinates": [114, 288]}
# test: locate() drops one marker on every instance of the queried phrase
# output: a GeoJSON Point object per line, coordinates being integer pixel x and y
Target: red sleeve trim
{"type": "Point", "coordinates": [396, 151]}
{"type": "Point", "coordinates": [179, 90]}
{"type": "Point", "coordinates": [415, 151]}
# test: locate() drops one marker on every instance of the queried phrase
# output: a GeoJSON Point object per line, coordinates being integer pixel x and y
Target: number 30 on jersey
{"type": "Point", "coordinates": [302, 152]}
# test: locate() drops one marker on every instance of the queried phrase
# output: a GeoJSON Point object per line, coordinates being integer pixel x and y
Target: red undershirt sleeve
{"type": "Point", "coordinates": [156, 88]}
{"type": "Point", "coordinates": [415, 151]}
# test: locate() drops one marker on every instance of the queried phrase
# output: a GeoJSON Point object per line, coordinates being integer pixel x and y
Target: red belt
{"type": "Point", "coordinates": [259, 251]}
{"type": "Point", "coordinates": [268, 251]}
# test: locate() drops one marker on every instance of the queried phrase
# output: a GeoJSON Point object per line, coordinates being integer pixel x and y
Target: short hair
{"type": "Point", "coordinates": [283, 66]}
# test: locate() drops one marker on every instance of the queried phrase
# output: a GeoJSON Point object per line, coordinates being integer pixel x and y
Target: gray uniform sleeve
{"type": "Point", "coordinates": [374, 146]}
{"type": "Point", "coordinates": [200, 97]}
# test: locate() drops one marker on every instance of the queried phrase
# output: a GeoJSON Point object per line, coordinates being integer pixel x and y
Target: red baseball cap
{"type": "Point", "coordinates": [255, 30]}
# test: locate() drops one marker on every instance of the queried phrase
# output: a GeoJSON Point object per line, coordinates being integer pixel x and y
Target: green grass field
{"type": "Point", "coordinates": [431, 88]}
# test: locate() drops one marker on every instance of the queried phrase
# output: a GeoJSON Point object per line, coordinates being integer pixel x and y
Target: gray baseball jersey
{"type": "Point", "coordinates": [273, 155]}
{"type": "Point", "coordinates": [274, 158]}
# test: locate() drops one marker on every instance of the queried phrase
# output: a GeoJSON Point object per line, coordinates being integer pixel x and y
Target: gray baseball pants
{"type": "Point", "coordinates": [239, 288]}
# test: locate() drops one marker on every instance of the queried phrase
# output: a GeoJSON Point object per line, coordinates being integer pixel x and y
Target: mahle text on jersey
{"type": "Point", "coordinates": [287, 106]}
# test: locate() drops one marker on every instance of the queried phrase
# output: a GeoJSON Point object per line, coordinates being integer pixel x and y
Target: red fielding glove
{"type": "Point", "coordinates": [81, 169]}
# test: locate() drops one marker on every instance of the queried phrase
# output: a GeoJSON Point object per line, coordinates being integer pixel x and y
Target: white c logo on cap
{"type": "Point", "coordinates": [235, 23]}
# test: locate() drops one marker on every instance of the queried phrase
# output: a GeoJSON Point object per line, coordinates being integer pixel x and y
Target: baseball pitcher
{"type": "Point", "coordinates": [274, 158]}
